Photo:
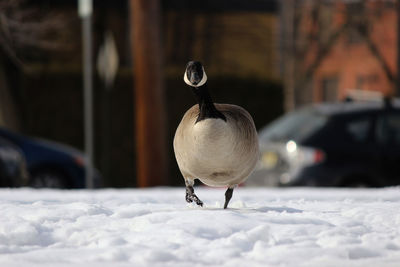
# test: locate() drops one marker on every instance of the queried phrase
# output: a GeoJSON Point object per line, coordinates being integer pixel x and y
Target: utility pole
{"type": "Point", "coordinates": [85, 12]}
{"type": "Point", "coordinates": [151, 160]}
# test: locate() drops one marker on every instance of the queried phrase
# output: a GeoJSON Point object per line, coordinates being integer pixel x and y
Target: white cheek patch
{"type": "Point", "coordinates": [202, 82]}
{"type": "Point", "coordinates": [186, 80]}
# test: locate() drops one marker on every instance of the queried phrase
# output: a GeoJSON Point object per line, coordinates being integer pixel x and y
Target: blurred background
{"type": "Point", "coordinates": [270, 57]}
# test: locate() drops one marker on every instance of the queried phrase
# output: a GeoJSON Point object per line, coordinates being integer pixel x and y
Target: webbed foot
{"type": "Point", "coordinates": [191, 197]}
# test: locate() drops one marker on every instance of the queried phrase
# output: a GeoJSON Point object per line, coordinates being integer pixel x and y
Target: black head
{"type": "Point", "coordinates": [195, 75]}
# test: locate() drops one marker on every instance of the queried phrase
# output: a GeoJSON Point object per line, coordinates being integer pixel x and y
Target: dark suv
{"type": "Point", "coordinates": [332, 144]}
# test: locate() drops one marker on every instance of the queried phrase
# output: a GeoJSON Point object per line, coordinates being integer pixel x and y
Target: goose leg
{"type": "Point", "coordinates": [190, 195]}
{"type": "Point", "coordinates": [228, 196]}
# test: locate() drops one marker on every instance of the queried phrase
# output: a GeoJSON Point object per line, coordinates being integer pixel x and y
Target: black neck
{"type": "Point", "coordinates": [206, 105]}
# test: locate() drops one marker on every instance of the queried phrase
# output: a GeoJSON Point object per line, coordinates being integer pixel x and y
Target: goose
{"type": "Point", "coordinates": [214, 143]}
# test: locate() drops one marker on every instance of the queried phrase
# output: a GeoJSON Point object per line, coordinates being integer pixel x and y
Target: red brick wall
{"type": "Point", "coordinates": [354, 64]}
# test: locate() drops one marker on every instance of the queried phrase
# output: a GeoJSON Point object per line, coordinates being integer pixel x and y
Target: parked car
{"type": "Point", "coordinates": [13, 170]}
{"type": "Point", "coordinates": [51, 164]}
{"type": "Point", "coordinates": [332, 144]}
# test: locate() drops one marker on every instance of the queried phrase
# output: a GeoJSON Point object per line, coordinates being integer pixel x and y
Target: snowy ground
{"type": "Point", "coordinates": [155, 227]}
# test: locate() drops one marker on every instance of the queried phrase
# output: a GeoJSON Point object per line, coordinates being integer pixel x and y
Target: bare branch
{"type": "Point", "coordinates": [323, 51]}
{"type": "Point", "coordinates": [22, 27]}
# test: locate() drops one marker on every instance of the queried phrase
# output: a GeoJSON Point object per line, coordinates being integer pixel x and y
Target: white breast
{"type": "Point", "coordinates": [212, 140]}
{"type": "Point", "coordinates": [215, 151]}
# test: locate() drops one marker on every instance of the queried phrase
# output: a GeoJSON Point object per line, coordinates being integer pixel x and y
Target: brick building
{"type": "Point", "coordinates": [343, 45]}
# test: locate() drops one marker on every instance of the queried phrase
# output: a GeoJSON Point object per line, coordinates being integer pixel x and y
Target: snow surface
{"type": "Point", "coordinates": [155, 227]}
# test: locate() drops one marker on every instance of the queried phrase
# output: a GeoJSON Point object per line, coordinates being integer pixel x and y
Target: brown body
{"type": "Point", "coordinates": [215, 151]}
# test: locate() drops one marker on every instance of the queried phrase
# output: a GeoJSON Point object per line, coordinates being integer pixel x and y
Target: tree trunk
{"type": "Point", "coordinates": [151, 160]}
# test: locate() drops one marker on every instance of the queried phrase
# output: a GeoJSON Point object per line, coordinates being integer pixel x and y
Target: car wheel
{"type": "Point", "coordinates": [48, 179]}
{"type": "Point", "coordinates": [357, 183]}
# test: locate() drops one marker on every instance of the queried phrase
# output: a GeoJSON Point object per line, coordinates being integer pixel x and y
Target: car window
{"type": "Point", "coordinates": [388, 129]}
{"type": "Point", "coordinates": [294, 126]}
{"type": "Point", "coordinates": [358, 129]}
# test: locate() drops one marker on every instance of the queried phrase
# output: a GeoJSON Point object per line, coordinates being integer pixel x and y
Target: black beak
{"type": "Point", "coordinates": [194, 78]}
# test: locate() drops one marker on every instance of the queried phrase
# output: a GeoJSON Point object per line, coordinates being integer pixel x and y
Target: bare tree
{"type": "Point", "coordinates": [315, 32]}
{"type": "Point", "coordinates": [24, 27]}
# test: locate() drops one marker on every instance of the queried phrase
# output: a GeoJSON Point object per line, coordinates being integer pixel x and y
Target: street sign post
{"type": "Point", "coordinates": [107, 67]}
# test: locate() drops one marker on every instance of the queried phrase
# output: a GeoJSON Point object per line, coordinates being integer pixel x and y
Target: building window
{"type": "Point", "coordinates": [354, 36]}
{"type": "Point", "coordinates": [330, 89]}
{"type": "Point", "coordinates": [367, 81]}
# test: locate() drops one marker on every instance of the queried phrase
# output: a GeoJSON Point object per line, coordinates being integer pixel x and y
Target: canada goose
{"type": "Point", "coordinates": [215, 143]}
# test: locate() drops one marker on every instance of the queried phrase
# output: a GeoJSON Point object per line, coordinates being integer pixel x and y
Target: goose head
{"type": "Point", "coordinates": [195, 75]}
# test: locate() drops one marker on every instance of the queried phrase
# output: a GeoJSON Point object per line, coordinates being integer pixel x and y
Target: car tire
{"type": "Point", "coordinates": [357, 183]}
{"type": "Point", "coordinates": [48, 179]}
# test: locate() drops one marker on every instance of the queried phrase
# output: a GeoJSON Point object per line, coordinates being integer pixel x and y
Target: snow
{"type": "Point", "coordinates": [156, 227]}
